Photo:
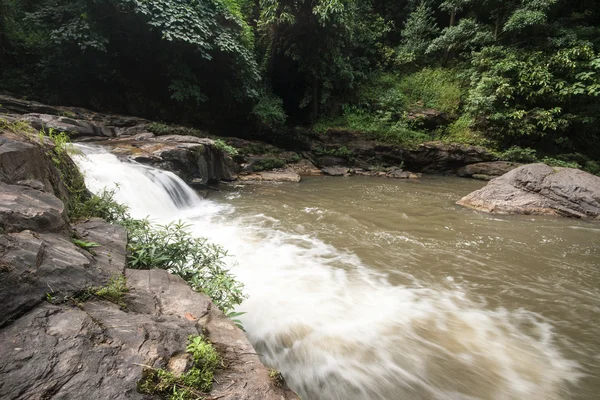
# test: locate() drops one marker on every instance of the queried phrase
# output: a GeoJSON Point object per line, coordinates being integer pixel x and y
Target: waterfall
{"type": "Point", "coordinates": [336, 328]}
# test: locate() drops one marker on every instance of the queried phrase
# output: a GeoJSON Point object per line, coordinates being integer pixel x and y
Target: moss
{"type": "Point", "coordinates": [190, 385]}
{"type": "Point", "coordinates": [276, 378]}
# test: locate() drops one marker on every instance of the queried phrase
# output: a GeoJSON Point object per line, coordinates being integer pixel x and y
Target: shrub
{"type": "Point", "coordinates": [269, 111]}
{"type": "Point", "coordinates": [224, 147]}
{"type": "Point", "coordinates": [267, 164]}
{"type": "Point", "coordinates": [519, 154]}
{"type": "Point", "coordinates": [199, 263]}
{"type": "Point", "coordinates": [173, 248]}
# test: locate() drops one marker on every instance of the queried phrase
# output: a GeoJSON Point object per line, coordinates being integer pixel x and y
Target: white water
{"type": "Point", "coordinates": [336, 328]}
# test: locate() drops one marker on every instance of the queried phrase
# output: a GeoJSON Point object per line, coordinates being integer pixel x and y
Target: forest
{"type": "Point", "coordinates": [520, 77]}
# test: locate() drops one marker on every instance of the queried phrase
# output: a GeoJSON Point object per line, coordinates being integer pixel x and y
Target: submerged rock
{"type": "Point", "coordinates": [541, 190]}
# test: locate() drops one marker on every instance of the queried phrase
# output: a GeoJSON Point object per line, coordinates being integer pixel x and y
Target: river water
{"type": "Point", "coordinates": [366, 288]}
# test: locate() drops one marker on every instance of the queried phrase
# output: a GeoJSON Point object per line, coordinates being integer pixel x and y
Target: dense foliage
{"type": "Point", "coordinates": [503, 72]}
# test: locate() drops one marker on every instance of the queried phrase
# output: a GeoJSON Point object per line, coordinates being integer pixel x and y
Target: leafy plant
{"type": "Point", "coordinates": [224, 147]}
{"type": "Point", "coordinates": [173, 248]}
{"type": "Point", "coordinates": [269, 111]}
{"type": "Point", "coordinates": [190, 385]}
{"type": "Point", "coordinates": [84, 244]}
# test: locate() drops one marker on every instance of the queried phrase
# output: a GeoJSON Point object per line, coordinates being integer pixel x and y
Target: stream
{"type": "Point", "coordinates": [366, 288]}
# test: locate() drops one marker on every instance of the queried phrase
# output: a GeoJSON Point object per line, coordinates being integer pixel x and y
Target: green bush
{"type": "Point", "coordinates": [173, 248]}
{"type": "Point", "coordinates": [267, 164]}
{"type": "Point", "coordinates": [224, 147]}
{"type": "Point", "coordinates": [519, 154]}
{"type": "Point", "coordinates": [269, 111]}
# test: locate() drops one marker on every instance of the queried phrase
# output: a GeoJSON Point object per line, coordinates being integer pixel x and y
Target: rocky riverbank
{"type": "Point", "coordinates": [75, 321]}
{"type": "Point", "coordinates": [203, 160]}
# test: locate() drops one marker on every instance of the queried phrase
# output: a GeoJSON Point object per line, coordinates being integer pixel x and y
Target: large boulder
{"type": "Point", "coordinates": [487, 170]}
{"type": "Point", "coordinates": [23, 207]}
{"type": "Point", "coordinates": [198, 161]}
{"type": "Point", "coordinates": [98, 350]}
{"type": "Point", "coordinates": [35, 266]}
{"type": "Point", "coordinates": [23, 159]}
{"type": "Point", "coordinates": [541, 190]}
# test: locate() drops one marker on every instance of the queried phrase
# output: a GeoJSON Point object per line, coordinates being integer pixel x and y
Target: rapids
{"type": "Point", "coordinates": [380, 289]}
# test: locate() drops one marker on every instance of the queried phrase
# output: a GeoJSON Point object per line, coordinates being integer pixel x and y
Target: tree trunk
{"type": "Point", "coordinates": [452, 17]}
{"type": "Point", "coordinates": [497, 28]}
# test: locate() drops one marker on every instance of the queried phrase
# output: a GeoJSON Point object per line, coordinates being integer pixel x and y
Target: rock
{"type": "Point", "coordinates": [36, 265]}
{"type": "Point", "coordinates": [21, 160]}
{"type": "Point", "coordinates": [69, 125]}
{"type": "Point", "coordinates": [330, 161]}
{"type": "Point", "coordinates": [487, 170]}
{"type": "Point", "coordinates": [444, 157]}
{"type": "Point", "coordinates": [306, 168]}
{"type": "Point", "coordinates": [99, 350]}
{"type": "Point", "coordinates": [22, 208]}
{"type": "Point", "coordinates": [336, 171]}
{"type": "Point", "coordinates": [541, 190]}
{"type": "Point", "coordinates": [286, 175]}
{"type": "Point", "coordinates": [33, 184]}
{"type": "Point", "coordinates": [195, 160]}
{"type": "Point", "coordinates": [429, 117]}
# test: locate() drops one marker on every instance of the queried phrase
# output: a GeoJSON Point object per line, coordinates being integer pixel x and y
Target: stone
{"type": "Point", "coordinates": [97, 350]}
{"type": "Point", "coordinates": [538, 189]}
{"type": "Point", "coordinates": [34, 265]}
{"type": "Point", "coordinates": [444, 157]}
{"type": "Point", "coordinates": [330, 161]}
{"type": "Point", "coordinates": [33, 184]}
{"type": "Point", "coordinates": [305, 168]}
{"type": "Point", "coordinates": [428, 117]}
{"type": "Point", "coordinates": [336, 171]}
{"type": "Point", "coordinates": [22, 208]}
{"type": "Point", "coordinates": [22, 160]}
{"type": "Point", "coordinates": [398, 174]}
{"type": "Point", "coordinates": [286, 175]}
{"type": "Point", "coordinates": [487, 170]}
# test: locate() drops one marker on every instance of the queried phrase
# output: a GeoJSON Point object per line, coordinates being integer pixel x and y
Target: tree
{"type": "Point", "coordinates": [420, 29]}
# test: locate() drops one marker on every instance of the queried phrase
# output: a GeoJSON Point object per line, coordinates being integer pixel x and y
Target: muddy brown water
{"type": "Point", "coordinates": [492, 306]}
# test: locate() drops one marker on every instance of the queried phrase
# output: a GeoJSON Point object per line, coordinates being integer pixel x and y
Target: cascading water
{"type": "Point", "coordinates": [338, 329]}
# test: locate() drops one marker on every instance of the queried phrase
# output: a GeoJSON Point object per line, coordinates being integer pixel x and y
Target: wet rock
{"type": "Point", "coordinates": [196, 160]}
{"type": "Point", "coordinates": [286, 175]}
{"type": "Point", "coordinates": [487, 170]}
{"type": "Point", "coordinates": [541, 190]}
{"type": "Point", "coordinates": [336, 171]}
{"type": "Point", "coordinates": [22, 207]}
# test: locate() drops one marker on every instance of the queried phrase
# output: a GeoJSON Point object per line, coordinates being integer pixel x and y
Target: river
{"type": "Point", "coordinates": [367, 288]}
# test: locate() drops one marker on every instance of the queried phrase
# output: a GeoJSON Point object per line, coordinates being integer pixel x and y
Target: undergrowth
{"type": "Point", "coordinates": [191, 385]}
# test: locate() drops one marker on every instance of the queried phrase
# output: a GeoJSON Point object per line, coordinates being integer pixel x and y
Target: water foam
{"type": "Point", "coordinates": [338, 329]}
